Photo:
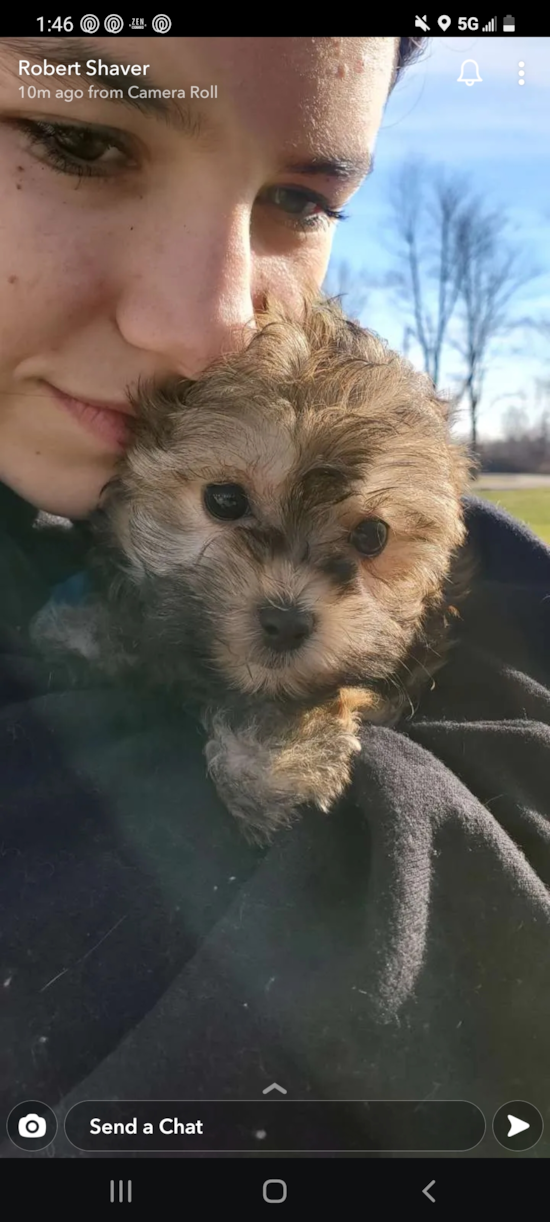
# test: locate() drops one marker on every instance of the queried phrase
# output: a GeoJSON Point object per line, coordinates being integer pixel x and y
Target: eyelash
{"type": "Point", "coordinates": [44, 135]}
{"type": "Point", "coordinates": [309, 197]}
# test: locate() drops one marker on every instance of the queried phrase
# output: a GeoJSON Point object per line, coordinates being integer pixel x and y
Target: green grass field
{"type": "Point", "coordinates": [530, 505]}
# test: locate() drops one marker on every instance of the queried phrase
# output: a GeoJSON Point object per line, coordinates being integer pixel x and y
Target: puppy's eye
{"type": "Point", "coordinates": [226, 501]}
{"type": "Point", "coordinates": [370, 537]}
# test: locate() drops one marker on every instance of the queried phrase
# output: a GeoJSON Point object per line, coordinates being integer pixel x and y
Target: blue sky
{"type": "Point", "coordinates": [497, 133]}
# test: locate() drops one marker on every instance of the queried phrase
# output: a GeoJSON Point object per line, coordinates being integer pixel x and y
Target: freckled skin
{"type": "Point", "coordinates": [91, 310]}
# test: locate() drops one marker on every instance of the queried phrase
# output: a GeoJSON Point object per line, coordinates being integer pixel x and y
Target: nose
{"type": "Point", "coordinates": [193, 297]}
{"type": "Point", "coordinates": [285, 628]}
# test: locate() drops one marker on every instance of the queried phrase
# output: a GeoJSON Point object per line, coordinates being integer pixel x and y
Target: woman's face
{"type": "Point", "coordinates": [136, 241]}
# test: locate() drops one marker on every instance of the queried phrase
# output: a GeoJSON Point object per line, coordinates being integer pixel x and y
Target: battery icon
{"type": "Point", "coordinates": [509, 25]}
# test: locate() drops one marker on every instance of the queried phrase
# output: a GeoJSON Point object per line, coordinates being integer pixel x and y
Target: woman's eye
{"type": "Point", "coordinates": [79, 150]}
{"type": "Point", "coordinates": [227, 502]}
{"type": "Point", "coordinates": [81, 142]}
{"type": "Point", "coordinates": [304, 208]}
{"type": "Point", "coordinates": [295, 202]}
{"type": "Point", "coordinates": [370, 537]}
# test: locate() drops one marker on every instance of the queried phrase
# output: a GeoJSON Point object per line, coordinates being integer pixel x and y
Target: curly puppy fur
{"type": "Point", "coordinates": [324, 429]}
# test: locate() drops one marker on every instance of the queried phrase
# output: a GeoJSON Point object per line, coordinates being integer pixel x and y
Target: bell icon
{"type": "Point", "coordinates": [469, 72]}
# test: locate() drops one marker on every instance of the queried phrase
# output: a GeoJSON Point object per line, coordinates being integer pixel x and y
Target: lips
{"type": "Point", "coordinates": [108, 422]}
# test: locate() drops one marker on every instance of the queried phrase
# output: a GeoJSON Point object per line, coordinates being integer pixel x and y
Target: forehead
{"type": "Point", "coordinates": [315, 79]}
{"type": "Point", "coordinates": [324, 398]}
{"type": "Point", "coordinates": [315, 92]}
{"type": "Point", "coordinates": [274, 451]}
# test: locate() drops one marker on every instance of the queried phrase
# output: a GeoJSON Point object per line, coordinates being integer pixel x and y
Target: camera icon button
{"type": "Point", "coordinates": [31, 1125]}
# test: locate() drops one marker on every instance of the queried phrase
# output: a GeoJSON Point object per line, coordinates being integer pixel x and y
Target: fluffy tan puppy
{"type": "Point", "coordinates": [284, 547]}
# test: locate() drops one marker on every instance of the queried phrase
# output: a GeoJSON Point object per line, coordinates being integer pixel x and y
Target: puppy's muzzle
{"type": "Point", "coordinates": [285, 628]}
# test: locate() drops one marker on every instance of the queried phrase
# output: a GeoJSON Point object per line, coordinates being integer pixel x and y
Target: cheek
{"type": "Point", "coordinates": [166, 531]}
{"type": "Point", "coordinates": [51, 260]}
{"type": "Point", "coordinates": [158, 544]}
{"type": "Point", "coordinates": [406, 573]}
{"type": "Point", "coordinates": [289, 276]}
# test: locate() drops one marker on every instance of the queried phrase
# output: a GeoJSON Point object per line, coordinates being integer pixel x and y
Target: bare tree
{"type": "Point", "coordinates": [458, 272]}
{"type": "Point", "coordinates": [524, 444]}
{"type": "Point", "coordinates": [350, 285]}
{"type": "Point", "coordinates": [515, 422]}
{"type": "Point", "coordinates": [492, 272]}
{"type": "Point", "coordinates": [542, 423]}
{"type": "Point", "coordinates": [427, 205]}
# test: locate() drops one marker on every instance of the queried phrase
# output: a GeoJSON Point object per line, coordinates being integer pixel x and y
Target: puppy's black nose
{"type": "Point", "coordinates": [285, 628]}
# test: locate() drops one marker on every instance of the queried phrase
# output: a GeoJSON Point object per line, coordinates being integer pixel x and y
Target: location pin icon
{"type": "Point", "coordinates": [444, 22]}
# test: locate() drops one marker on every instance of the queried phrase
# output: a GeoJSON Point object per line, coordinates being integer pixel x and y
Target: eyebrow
{"type": "Point", "coordinates": [343, 168]}
{"type": "Point", "coordinates": [184, 118]}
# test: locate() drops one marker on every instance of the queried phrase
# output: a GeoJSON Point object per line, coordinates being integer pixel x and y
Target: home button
{"type": "Point", "coordinates": [274, 1192]}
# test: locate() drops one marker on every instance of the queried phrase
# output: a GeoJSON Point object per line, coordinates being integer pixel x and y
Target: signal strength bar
{"type": "Point", "coordinates": [491, 27]}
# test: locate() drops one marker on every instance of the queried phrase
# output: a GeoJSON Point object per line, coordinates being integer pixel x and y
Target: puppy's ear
{"type": "Point", "coordinates": [422, 384]}
{"type": "Point", "coordinates": [440, 404]}
{"type": "Point", "coordinates": [465, 464]}
{"type": "Point", "coordinates": [156, 406]}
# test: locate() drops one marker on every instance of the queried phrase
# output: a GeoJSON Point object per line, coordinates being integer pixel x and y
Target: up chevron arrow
{"type": "Point", "coordinates": [274, 1086]}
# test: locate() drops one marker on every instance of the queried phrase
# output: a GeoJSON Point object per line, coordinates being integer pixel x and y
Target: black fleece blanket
{"type": "Point", "coordinates": [395, 949]}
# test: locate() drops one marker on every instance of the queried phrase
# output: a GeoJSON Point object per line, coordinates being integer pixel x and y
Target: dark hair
{"type": "Point", "coordinates": [409, 49]}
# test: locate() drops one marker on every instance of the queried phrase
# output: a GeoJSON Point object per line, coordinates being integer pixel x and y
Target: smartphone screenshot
{"type": "Point", "coordinates": [274, 612]}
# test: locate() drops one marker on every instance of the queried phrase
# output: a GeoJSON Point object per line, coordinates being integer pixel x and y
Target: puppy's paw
{"type": "Point", "coordinates": [265, 780]}
{"type": "Point", "coordinates": [239, 766]}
